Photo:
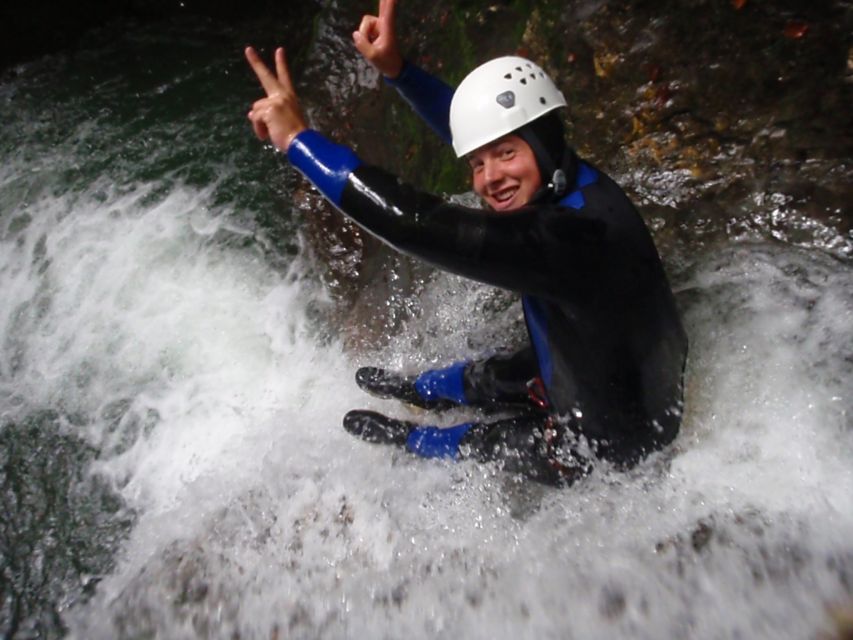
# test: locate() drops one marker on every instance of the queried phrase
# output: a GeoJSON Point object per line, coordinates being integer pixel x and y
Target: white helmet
{"type": "Point", "coordinates": [499, 97]}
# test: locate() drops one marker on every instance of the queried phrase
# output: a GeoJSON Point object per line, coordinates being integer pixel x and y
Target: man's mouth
{"type": "Point", "coordinates": [504, 196]}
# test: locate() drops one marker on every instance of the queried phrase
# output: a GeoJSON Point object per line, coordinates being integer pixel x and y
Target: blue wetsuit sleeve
{"type": "Point", "coordinates": [427, 95]}
{"type": "Point", "coordinates": [326, 164]}
{"type": "Point", "coordinates": [517, 250]}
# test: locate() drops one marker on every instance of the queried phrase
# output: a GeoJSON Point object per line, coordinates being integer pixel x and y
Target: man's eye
{"type": "Point", "coordinates": [506, 154]}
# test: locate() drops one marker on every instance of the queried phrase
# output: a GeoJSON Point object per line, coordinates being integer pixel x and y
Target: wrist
{"type": "Point", "coordinates": [291, 136]}
{"type": "Point", "coordinates": [326, 164]}
{"type": "Point", "coordinates": [393, 69]}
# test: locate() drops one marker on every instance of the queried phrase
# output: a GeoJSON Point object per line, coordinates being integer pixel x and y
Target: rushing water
{"type": "Point", "coordinates": [171, 392]}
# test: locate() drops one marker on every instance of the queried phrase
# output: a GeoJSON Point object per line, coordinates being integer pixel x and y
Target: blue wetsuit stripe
{"type": "Point", "coordinates": [586, 176]}
{"type": "Point", "coordinates": [443, 384]}
{"type": "Point", "coordinates": [432, 442]}
{"type": "Point", "coordinates": [538, 328]}
{"type": "Point", "coordinates": [326, 164]}
{"type": "Point", "coordinates": [428, 96]}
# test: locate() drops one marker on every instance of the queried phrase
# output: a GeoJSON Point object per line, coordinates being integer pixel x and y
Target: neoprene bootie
{"type": "Point", "coordinates": [375, 427]}
{"type": "Point", "coordinates": [423, 441]}
{"type": "Point", "coordinates": [389, 384]}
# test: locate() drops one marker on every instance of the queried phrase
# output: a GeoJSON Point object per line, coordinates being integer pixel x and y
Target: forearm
{"type": "Point", "coordinates": [410, 221]}
{"type": "Point", "coordinates": [465, 241]}
{"type": "Point", "coordinates": [427, 95]}
{"type": "Point", "coordinates": [326, 164]}
{"type": "Point", "coordinates": [510, 250]}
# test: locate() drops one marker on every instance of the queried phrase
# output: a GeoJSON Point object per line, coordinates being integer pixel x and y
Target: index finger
{"type": "Point", "coordinates": [267, 79]}
{"type": "Point", "coordinates": [387, 10]}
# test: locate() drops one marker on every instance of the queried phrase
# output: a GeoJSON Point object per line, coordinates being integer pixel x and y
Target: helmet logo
{"type": "Point", "coordinates": [506, 99]}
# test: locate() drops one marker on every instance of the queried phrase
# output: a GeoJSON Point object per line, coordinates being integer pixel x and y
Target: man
{"type": "Point", "coordinates": [601, 377]}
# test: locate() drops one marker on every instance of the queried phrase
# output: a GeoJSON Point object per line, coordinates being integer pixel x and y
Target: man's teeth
{"type": "Point", "coordinates": [503, 196]}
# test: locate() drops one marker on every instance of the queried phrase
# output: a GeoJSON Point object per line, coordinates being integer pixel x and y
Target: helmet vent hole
{"type": "Point", "coordinates": [533, 76]}
{"type": "Point", "coordinates": [542, 100]}
{"type": "Point", "coordinates": [524, 81]}
{"type": "Point", "coordinates": [508, 76]}
{"type": "Point", "coordinates": [519, 69]}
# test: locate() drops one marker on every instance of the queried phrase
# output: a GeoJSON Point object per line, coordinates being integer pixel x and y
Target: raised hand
{"type": "Point", "coordinates": [278, 117]}
{"type": "Point", "coordinates": [376, 40]}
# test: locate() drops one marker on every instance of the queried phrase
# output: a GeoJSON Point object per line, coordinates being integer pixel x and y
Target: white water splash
{"type": "Point", "coordinates": [259, 515]}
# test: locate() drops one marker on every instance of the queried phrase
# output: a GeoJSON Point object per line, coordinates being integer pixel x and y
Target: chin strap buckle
{"type": "Point", "coordinates": [559, 183]}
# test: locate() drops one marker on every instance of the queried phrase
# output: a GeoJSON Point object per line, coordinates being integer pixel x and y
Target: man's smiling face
{"type": "Point", "coordinates": [505, 173]}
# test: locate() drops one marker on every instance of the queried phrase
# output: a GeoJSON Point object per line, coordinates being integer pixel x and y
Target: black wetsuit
{"type": "Point", "coordinates": [606, 339]}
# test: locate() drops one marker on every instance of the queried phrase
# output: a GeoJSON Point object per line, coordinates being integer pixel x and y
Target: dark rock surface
{"type": "Point", "coordinates": [30, 29]}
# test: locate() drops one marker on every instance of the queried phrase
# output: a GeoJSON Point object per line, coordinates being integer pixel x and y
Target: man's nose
{"type": "Point", "coordinates": [492, 171]}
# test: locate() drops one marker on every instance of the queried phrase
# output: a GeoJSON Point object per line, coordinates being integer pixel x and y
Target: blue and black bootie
{"type": "Point", "coordinates": [423, 441]}
{"type": "Point", "coordinates": [437, 389]}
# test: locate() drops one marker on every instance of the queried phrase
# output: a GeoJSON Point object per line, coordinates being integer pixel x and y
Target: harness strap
{"type": "Point", "coordinates": [536, 392]}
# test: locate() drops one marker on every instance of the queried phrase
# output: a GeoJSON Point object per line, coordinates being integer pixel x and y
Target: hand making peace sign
{"type": "Point", "coordinates": [376, 40]}
{"type": "Point", "coordinates": [278, 117]}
